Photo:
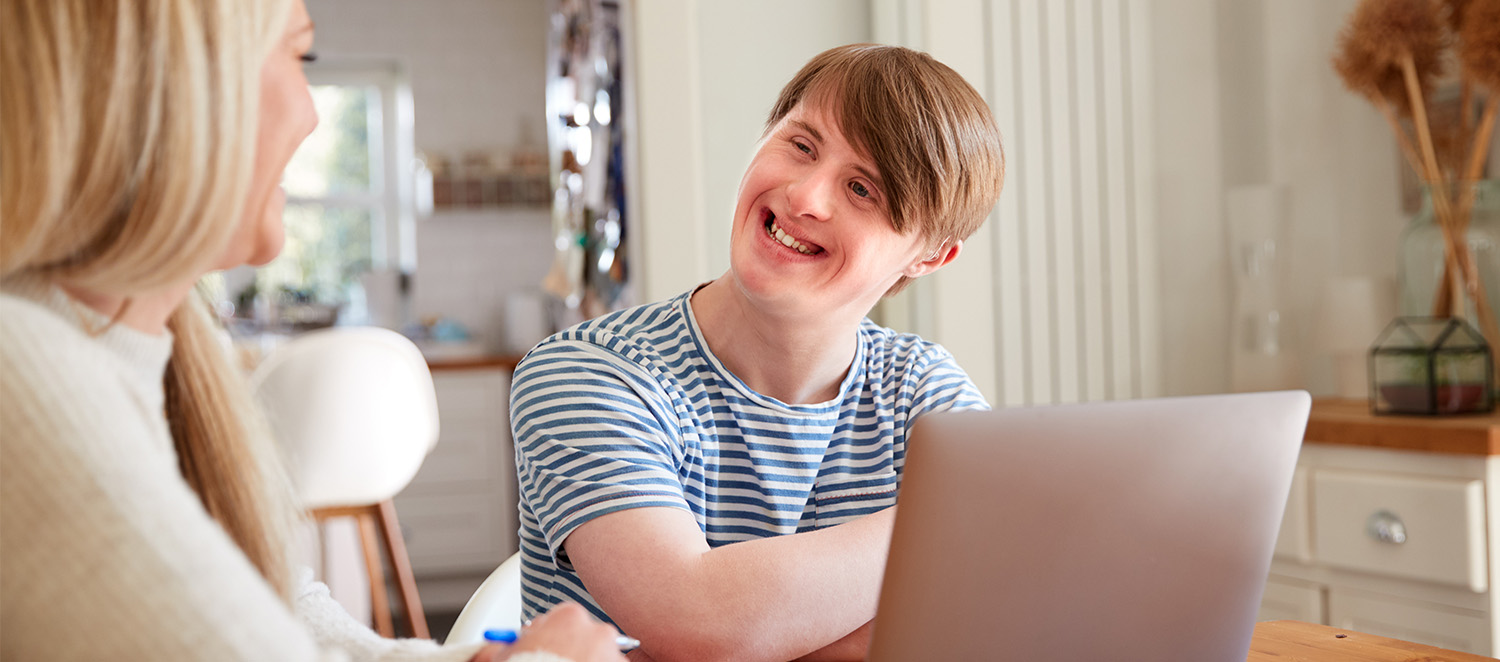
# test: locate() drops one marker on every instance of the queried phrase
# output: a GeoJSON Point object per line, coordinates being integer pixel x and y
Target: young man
{"type": "Point", "coordinates": [763, 409]}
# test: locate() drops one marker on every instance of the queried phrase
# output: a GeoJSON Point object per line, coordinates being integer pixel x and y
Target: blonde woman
{"type": "Point", "coordinates": [141, 516]}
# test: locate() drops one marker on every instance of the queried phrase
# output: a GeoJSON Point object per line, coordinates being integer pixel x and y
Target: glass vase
{"type": "Point", "coordinates": [1421, 268]}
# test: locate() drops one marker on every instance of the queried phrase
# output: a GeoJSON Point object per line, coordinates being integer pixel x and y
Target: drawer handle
{"type": "Point", "coordinates": [1386, 527]}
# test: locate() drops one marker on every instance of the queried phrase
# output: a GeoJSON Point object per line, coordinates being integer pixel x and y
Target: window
{"type": "Point", "coordinates": [350, 198]}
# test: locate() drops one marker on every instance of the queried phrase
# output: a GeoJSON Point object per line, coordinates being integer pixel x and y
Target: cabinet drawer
{"type": "Point", "coordinates": [1433, 528]}
{"type": "Point", "coordinates": [1386, 616]}
{"type": "Point", "coordinates": [454, 533]}
{"type": "Point", "coordinates": [465, 455]}
{"type": "Point", "coordinates": [475, 430]}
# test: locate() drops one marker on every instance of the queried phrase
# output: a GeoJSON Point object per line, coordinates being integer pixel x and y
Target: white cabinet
{"type": "Point", "coordinates": [1397, 543]}
{"type": "Point", "coordinates": [459, 513]}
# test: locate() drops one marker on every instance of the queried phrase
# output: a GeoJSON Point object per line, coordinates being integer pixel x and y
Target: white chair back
{"type": "Point", "coordinates": [496, 605]}
{"type": "Point", "coordinates": [355, 411]}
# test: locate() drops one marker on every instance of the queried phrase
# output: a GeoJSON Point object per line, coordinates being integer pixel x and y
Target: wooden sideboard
{"type": "Point", "coordinates": [1393, 528]}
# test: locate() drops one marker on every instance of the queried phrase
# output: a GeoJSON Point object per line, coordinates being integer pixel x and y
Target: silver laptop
{"type": "Point", "coordinates": [1111, 531]}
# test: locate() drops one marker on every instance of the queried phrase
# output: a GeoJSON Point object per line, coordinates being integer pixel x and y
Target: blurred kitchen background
{"type": "Point", "coordinates": [1188, 183]}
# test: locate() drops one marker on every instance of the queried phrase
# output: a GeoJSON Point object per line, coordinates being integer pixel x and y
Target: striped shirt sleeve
{"type": "Point", "coordinates": [944, 386]}
{"type": "Point", "coordinates": [595, 434]}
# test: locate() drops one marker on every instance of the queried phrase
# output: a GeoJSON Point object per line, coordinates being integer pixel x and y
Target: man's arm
{"type": "Point", "coordinates": [852, 648]}
{"type": "Point", "coordinates": [774, 599]}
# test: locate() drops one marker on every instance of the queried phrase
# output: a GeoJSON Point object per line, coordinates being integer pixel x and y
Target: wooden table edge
{"type": "Point", "coordinates": [1310, 642]}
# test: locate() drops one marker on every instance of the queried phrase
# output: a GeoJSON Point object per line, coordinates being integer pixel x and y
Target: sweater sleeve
{"type": "Point", "coordinates": [105, 551]}
{"type": "Point", "coordinates": [334, 628]}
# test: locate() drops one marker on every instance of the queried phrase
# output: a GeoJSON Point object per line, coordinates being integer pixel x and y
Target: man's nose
{"type": "Point", "coordinates": [812, 196]}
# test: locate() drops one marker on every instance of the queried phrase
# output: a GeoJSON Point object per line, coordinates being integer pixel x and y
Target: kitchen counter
{"type": "Point", "coordinates": [1346, 422]}
{"type": "Point", "coordinates": [485, 362]}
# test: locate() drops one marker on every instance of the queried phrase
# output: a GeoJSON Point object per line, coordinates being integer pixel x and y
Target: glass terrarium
{"type": "Point", "coordinates": [1430, 365]}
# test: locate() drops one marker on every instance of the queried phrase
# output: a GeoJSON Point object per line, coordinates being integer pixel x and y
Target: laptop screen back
{"type": "Point", "coordinates": [1135, 530]}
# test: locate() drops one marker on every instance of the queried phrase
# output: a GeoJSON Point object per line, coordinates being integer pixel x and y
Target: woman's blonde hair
{"type": "Point", "coordinates": [127, 142]}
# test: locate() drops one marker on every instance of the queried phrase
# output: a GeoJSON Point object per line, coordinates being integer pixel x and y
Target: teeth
{"type": "Point", "coordinates": [780, 235]}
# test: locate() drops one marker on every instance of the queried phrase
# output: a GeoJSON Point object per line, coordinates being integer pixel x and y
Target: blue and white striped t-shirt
{"type": "Point", "coordinates": [631, 410]}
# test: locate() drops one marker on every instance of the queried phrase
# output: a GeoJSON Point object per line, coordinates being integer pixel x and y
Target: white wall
{"type": "Point", "coordinates": [476, 66]}
{"type": "Point", "coordinates": [1246, 96]}
{"type": "Point", "coordinates": [1337, 158]}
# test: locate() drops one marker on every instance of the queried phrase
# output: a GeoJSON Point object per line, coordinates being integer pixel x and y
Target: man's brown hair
{"type": "Point", "coordinates": [929, 132]}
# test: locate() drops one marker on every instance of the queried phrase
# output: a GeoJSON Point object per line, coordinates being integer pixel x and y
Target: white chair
{"type": "Point", "coordinates": [497, 604]}
{"type": "Point", "coordinates": [356, 414]}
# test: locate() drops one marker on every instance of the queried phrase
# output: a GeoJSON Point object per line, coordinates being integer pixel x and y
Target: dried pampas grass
{"type": "Point", "coordinates": [1453, 14]}
{"type": "Point", "coordinates": [1393, 53]}
{"type": "Point", "coordinates": [1380, 36]}
{"type": "Point", "coordinates": [1479, 44]}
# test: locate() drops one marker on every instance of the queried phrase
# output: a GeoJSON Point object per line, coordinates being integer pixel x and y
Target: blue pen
{"type": "Point", "coordinates": [509, 637]}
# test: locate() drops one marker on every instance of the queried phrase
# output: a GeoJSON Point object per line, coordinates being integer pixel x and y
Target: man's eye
{"type": "Point", "coordinates": [803, 148]}
{"type": "Point", "coordinates": [859, 189]}
{"type": "Point", "coordinates": [308, 57]}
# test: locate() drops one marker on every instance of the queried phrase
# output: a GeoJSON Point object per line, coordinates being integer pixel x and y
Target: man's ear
{"type": "Point", "coordinates": [945, 253]}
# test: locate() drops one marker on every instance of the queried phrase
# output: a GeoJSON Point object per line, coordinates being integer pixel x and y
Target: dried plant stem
{"type": "Point", "coordinates": [1404, 141]}
{"type": "Point", "coordinates": [1470, 189]}
{"type": "Point", "coordinates": [1424, 131]}
{"type": "Point", "coordinates": [1433, 176]}
{"type": "Point", "coordinates": [1477, 157]}
{"type": "Point", "coordinates": [1442, 304]}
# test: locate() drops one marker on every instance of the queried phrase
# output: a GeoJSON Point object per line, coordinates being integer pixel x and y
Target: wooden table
{"type": "Point", "coordinates": [1295, 641]}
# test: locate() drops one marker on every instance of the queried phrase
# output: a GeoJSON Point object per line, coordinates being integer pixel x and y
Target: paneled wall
{"type": "Point", "coordinates": [1055, 299]}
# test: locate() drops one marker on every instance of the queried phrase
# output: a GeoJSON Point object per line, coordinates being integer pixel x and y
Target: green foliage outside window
{"type": "Point", "coordinates": [333, 201]}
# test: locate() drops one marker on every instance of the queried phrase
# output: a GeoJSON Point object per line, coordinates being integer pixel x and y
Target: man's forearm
{"type": "Point", "coordinates": [775, 598]}
{"type": "Point", "coordinates": [851, 648]}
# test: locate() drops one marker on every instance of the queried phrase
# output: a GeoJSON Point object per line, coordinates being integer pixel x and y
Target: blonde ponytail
{"type": "Point", "coordinates": [222, 444]}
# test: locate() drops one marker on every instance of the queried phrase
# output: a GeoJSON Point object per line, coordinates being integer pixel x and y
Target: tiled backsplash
{"type": "Point", "coordinates": [470, 262]}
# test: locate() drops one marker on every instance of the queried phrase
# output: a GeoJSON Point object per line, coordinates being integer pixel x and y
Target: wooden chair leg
{"type": "Point", "coordinates": [401, 565]}
{"type": "Point", "coordinates": [380, 605]}
{"type": "Point", "coordinates": [321, 530]}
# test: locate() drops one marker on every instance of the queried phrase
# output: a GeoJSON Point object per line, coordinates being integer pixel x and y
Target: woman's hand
{"type": "Point", "coordinates": [569, 631]}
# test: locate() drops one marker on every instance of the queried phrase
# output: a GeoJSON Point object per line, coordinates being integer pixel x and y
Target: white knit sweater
{"type": "Point", "coordinates": [105, 552]}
